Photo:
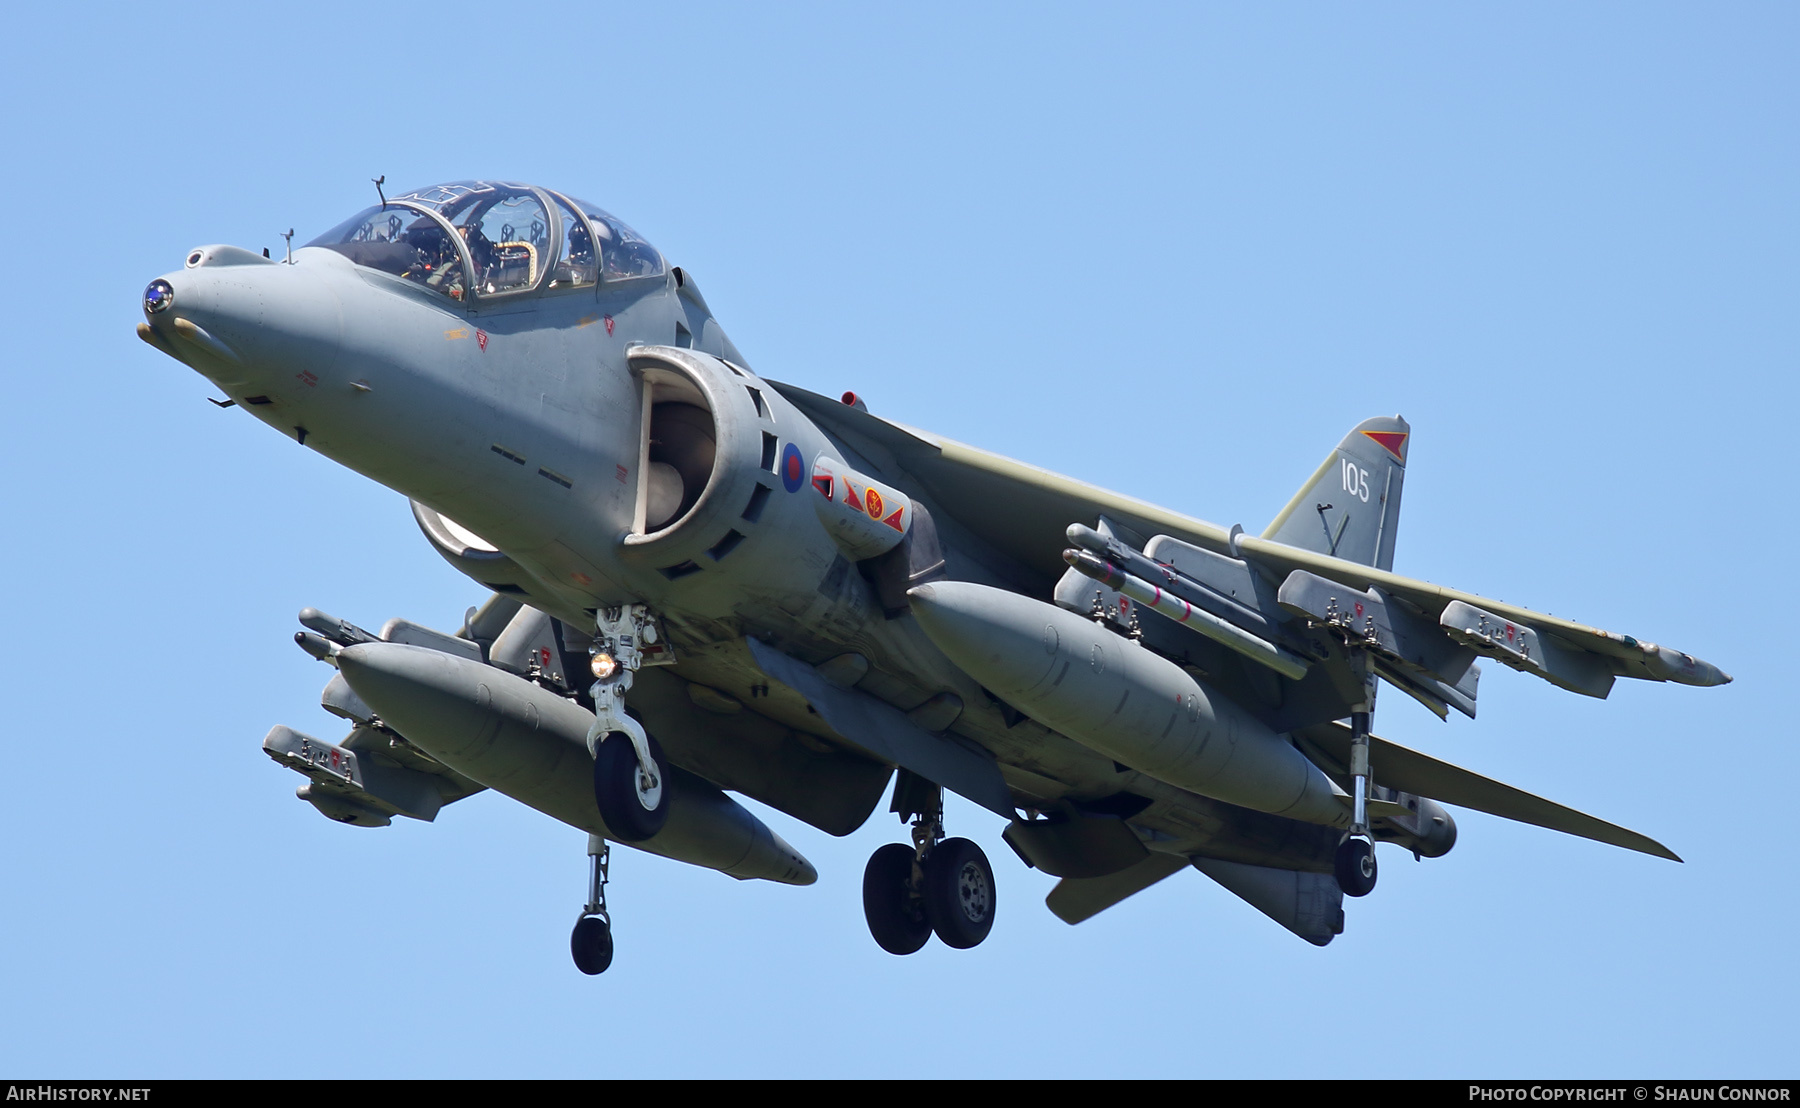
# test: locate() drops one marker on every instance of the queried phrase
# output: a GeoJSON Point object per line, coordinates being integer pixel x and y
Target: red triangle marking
{"type": "Point", "coordinates": [823, 484]}
{"type": "Point", "coordinates": [1394, 442]}
{"type": "Point", "coordinates": [894, 520]}
{"type": "Point", "coordinates": [850, 496]}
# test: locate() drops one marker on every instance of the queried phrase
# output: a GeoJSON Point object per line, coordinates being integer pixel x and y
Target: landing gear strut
{"type": "Point", "coordinates": [938, 885]}
{"type": "Point", "coordinates": [591, 942]}
{"type": "Point", "coordinates": [1354, 864]}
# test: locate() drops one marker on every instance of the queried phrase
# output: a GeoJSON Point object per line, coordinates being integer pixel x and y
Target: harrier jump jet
{"type": "Point", "coordinates": [700, 581]}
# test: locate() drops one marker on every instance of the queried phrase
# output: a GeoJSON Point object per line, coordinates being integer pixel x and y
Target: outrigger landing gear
{"type": "Point", "coordinates": [939, 885]}
{"type": "Point", "coordinates": [591, 943]}
{"type": "Point", "coordinates": [1354, 864]}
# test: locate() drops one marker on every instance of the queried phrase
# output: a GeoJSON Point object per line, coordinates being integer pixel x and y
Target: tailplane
{"type": "Point", "coordinates": [1350, 508]}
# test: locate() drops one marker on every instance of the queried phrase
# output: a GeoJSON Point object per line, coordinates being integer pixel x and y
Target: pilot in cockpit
{"type": "Point", "coordinates": [581, 247]}
{"type": "Point", "coordinates": [481, 248]}
{"type": "Point", "coordinates": [439, 265]}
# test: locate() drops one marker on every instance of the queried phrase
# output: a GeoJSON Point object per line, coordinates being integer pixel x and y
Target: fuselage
{"type": "Point", "coordinates": [573, 427]}
{"type": "Point", "coordinates": [588, 434]}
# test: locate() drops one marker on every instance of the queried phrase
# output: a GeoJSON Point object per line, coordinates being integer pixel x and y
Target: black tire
{"type": "Point", "coordinates": [629, 814]}
{"type": "Point", "coordinates": [959, 893]}
{"type": "Point", "coordinates": [1355, 866]}
{"type": "Point", "coordinates": [896, 918]}
{"type": "Point", "coordinates": [592, 945]}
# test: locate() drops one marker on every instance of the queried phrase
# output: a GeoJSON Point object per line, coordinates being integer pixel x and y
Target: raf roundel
{"type": "Point", "coordinates": [793, 470]}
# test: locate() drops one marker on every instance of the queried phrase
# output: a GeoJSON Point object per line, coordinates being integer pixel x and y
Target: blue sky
{"type": "Point", "coordinates": [1176, 251]}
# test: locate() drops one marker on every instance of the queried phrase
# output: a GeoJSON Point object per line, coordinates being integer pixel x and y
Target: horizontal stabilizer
{"type": "Point", "coordinates": [1398, 767]}
{"type": "Point", "coordinates": [1077, 898]}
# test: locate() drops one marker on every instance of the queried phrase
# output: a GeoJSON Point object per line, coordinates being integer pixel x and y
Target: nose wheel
{"type": "Point", "coordinates": [631, 779]}
{"type": "Point", "coordinates": [634, 803]}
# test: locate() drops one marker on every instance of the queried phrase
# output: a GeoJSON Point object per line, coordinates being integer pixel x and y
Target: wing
{"type": "Point", "coordinates": [1022, 512]}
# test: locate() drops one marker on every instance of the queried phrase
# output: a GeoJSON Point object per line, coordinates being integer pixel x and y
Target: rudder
{"type": "Point", "coordinates": [1350, 508]}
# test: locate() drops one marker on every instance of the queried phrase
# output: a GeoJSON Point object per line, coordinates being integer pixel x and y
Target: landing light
{"type": "Point", "coordinates": [603, 666]}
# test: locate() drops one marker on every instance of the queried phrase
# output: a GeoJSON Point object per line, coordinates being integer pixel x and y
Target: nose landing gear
{"type": "Point", "coordinates": [634, 803]}
{"type": "Point", "coordinates": [630, 775]}
{"type": "Point", "coordinates": [938, 885]}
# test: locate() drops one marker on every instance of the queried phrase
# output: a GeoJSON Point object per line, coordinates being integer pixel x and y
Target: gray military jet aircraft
{"type": "Point", "coordinates": [701, 581]}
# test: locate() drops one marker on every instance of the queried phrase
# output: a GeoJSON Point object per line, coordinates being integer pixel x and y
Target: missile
{"type": "Point", "coordinates": [318, 646]}
{"type": "Point", "coordinates": [1198, 593]}
{"type": "Point", "coordinates": [1116, 697]}
{"type": "Point", "coordinates": [525, 741]}
{"type": "Point", "coordinates": [340, 631]}
{"type": "Point", "coordinates": [1255, 647]}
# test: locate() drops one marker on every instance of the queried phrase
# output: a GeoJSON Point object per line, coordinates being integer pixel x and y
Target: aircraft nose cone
{"type": "Point", "coordinates": [247, 323]}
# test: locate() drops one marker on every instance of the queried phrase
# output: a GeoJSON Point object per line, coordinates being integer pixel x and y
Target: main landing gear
{"type": "Point", "coordinates": [937, 885]}
{"type": "Point", "coordinates": [591, 942]}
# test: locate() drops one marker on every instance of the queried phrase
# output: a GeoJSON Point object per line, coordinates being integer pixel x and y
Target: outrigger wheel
{"type": "Point", "coordinates": [633, 807]}
{"type": "Point", "coordinates": [592, 945]}
{"type": "Point", "coordinates": [1355, 866]}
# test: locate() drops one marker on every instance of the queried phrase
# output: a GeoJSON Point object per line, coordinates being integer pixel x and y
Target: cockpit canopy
{"type": "Point", "coordinates": [482, 239]}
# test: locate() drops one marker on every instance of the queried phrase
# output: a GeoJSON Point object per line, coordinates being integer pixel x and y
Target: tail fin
{"type": "Point", "coordinates": [1350, 508]}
